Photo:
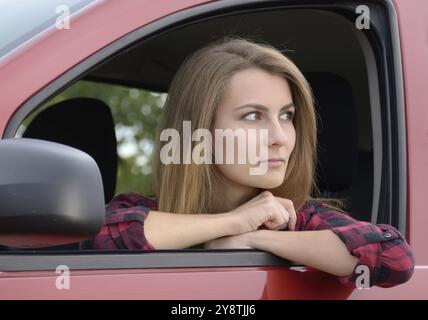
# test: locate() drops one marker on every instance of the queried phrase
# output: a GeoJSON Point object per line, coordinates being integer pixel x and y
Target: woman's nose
{"type": "Point", "coordinates": [276, 134]}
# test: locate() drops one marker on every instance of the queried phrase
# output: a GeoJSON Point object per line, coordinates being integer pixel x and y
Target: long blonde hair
{"type": "Point", "coordinates": [194, 94]}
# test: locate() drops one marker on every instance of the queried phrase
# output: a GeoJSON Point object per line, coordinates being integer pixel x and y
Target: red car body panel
{"type": "Point", "coordinates": [28, 69]}
{"type": "Point", "coordinates": [193, 283]}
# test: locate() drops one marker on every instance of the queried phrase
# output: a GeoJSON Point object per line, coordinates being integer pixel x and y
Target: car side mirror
{"type": "Point", "coordinates": [50, 194]}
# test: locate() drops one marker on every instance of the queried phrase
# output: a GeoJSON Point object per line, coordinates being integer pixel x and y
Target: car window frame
{"type": "Point", "coordinates": [138, 259]}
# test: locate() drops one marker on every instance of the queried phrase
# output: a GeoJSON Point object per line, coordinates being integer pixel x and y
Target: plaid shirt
{"type": "Point", "coordinates": [380, 247]}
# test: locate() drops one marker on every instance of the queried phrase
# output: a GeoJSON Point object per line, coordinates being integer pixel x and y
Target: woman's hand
{"type": "Point", "coordinates": [265, 210]}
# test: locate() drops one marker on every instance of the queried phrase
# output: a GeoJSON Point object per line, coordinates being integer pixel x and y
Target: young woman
{"type": "Point", "coordinates": [239, 84]}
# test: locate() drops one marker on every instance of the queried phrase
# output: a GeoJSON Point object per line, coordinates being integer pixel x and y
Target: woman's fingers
{"type": "Point", "coordinates": [278, 218]}
{"type": "Point", "coordinates": [289, 207]}
{"type": "Point", "coordinates": [266, 210]}
{"type": "Point", "coordinates": [282, 215]}
{"type": "Point", "coordinates": [286, 216]}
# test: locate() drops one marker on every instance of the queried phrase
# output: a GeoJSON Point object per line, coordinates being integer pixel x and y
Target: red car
{"type": "Point", "coordinates": [366, 60]}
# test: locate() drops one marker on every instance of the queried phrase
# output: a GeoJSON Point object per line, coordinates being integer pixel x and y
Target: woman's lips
{"type": "Point", "coordinates": [274, 162]}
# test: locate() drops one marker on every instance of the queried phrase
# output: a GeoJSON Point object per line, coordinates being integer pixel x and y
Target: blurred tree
{"type": "Point", "coordinates": [135, 113]}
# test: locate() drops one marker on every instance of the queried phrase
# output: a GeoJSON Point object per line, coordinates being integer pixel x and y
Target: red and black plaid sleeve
{"type": "Point", "coordinates": [380, 247]}
{"type": "Point", "coordinates": [123, 224]}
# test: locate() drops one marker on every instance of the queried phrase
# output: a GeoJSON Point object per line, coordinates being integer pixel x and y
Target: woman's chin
{"type": "Point", "coordinates": [271, 183]}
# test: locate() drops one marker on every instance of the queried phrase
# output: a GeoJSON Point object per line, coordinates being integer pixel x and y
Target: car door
{"type": "Point", "coordinates": [98, 34]}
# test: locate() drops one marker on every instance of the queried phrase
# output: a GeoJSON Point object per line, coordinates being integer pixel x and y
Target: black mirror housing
{"type": "Point", "coordinates": [50, 194]}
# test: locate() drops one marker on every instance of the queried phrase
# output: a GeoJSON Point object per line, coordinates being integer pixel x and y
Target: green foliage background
{"type": "Point", "coordinates": [135, 113]}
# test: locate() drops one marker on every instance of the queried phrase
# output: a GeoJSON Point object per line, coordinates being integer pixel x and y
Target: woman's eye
{"type": "Point", "coordinates": [252, 116]}
{"type": "Point", "coordinates": [287, 116]}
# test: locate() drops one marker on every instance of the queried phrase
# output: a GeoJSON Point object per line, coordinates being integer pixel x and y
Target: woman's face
{"type": "Point", "coordinates": [256, 99]}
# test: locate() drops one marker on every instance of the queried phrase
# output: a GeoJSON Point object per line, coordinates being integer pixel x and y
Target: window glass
{"type": "Point", "coordinates": [135, 113]}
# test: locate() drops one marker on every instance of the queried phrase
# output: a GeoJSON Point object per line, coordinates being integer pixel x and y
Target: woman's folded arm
{"type": "Point", "coordinates": [132, 223]}
{"type": "Point", "coordinates": [336, 243]}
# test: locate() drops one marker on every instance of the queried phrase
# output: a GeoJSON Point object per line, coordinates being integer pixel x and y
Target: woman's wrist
{"type": "Point", "coordinates": [232, 223]}
{"type": "Point", "coordinates": [254, 238]}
